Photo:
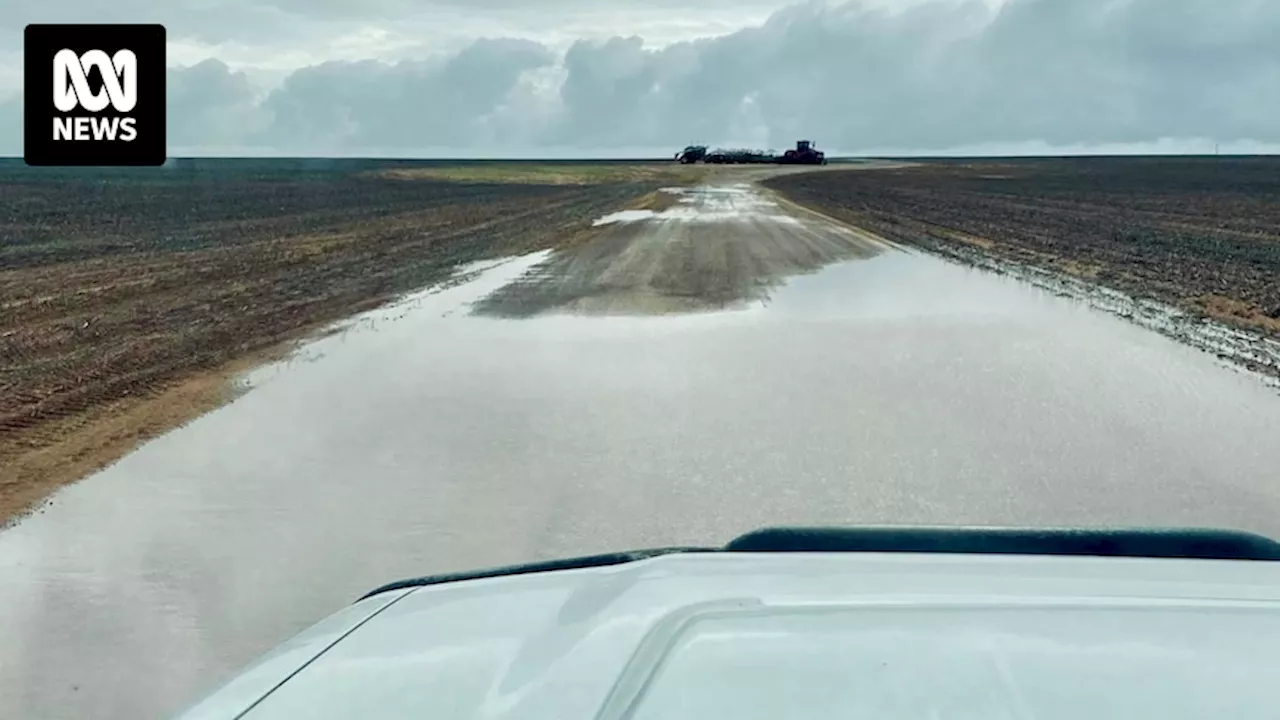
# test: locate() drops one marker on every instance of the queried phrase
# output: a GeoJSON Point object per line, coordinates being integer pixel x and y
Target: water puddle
{"type": "Point", "coordinates": [1236, 349]}
{"type": "Point", "coordinates": [624, 216]}
{"type": "Point", "coordinates": [423, 438]}
{"type": "Point", "coordinates": [720, 247]}
{"type": "Point", "coordinates": [709, 204]}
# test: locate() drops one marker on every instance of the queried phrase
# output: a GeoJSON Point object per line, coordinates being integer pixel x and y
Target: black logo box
{"type": "Point", "coordinates": [41, 43]}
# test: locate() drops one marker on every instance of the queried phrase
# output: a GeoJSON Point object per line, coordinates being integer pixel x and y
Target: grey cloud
{"type": "Point", "coordinates": [950, 74]}
{"type": "Point", "coordinates": [209, 105]}
{"type": "Point", "coordinates": [345, 106]}
{"type": "Point", "coordinates": [1099, 71]}
{"type": "Point", "coordinates": [932, 76]}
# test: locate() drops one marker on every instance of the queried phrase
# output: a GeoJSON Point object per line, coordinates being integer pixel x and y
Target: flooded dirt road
{"type": "Point", "coordinates": [885, 387]}
{"type": "Point", "coordinates": [712, 247]}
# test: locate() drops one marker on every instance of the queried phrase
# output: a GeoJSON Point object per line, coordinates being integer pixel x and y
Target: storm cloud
{"type": "Point", "coordinates": [931, 75]}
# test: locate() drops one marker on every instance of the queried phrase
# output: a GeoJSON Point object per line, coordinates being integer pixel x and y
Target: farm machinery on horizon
{"type": "Point", "coordinates": [802, 154]}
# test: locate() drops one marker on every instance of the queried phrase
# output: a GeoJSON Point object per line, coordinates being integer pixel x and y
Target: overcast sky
{"type": "Point", "coordinates": [530, 77]}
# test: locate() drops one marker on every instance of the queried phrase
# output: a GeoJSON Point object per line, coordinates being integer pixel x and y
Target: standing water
{"type": "Point", "coordinates": [423, 439]}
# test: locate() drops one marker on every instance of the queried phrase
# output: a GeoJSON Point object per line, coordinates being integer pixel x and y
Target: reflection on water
{"type": "Point", "coordinates": [421, 439]}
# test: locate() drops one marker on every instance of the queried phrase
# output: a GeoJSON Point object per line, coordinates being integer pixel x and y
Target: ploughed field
{"type": "Point", "coordinates": [1200, 233]}
{"type": "Point", "coordinates": [123, 286]}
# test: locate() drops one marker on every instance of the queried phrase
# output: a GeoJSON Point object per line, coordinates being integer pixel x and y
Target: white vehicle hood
{"type": "Point", "coordinates": [812, 635]}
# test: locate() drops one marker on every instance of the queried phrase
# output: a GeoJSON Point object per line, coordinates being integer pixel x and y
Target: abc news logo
{"type": "Point", "coordinates": [71, 90]}
{"type": "Point", "coordinates": [107, 105]}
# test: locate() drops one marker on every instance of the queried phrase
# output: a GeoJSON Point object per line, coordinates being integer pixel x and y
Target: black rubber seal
{"type": "Point", "coordinates": [1186, 544]}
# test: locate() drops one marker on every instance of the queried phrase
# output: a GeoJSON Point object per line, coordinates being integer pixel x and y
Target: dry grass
{"type": "Point", "coordinates": [967, 239]}
{"type": "Point", "coordinates": [1237, 312]}
{"type": "Point", "coordinates": [656, 201]}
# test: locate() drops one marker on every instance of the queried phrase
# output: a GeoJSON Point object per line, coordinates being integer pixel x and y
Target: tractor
{"type": "Point", "coordinates": [804, 154]}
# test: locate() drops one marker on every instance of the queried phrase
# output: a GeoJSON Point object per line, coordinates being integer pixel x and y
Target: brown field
{"type": "Point", "coordinates": [127, 299]}
{"type": "Point", "coordinates": [1202, 234]}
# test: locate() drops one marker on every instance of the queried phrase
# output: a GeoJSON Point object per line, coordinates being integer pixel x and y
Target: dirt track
{"type": "Point", "coordinates": [706, 248]}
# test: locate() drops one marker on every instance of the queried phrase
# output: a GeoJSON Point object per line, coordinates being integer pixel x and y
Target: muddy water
{"type": "Point", "coordinates": [890, 388]}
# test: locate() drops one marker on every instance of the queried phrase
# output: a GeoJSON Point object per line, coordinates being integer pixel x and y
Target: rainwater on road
{"type": "Point", "coordinates": [883, 387]}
